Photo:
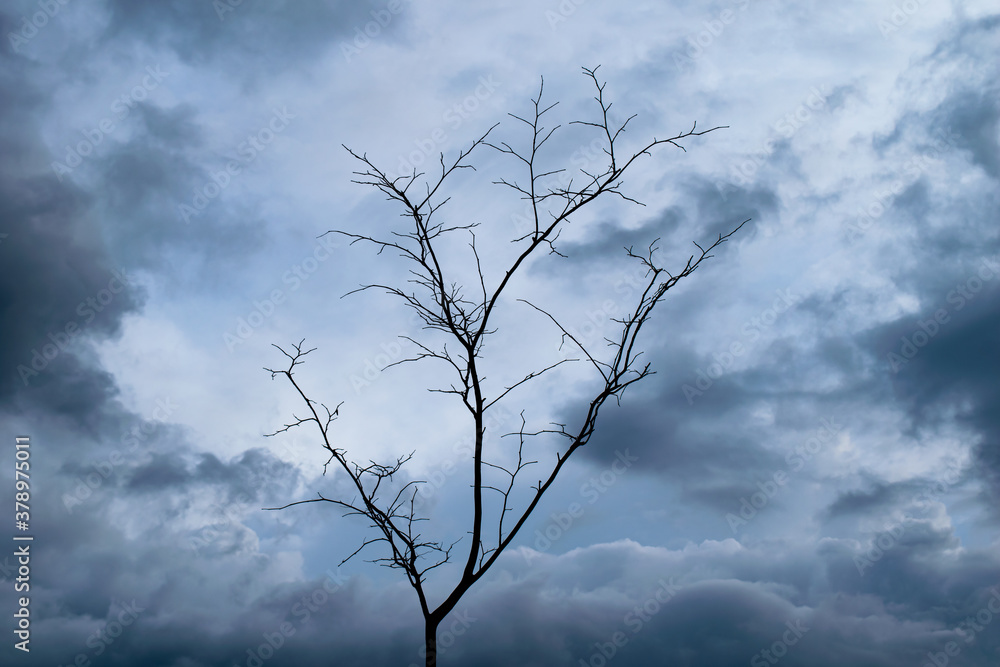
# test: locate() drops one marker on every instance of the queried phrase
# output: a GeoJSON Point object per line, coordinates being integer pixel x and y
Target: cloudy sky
{"type": "Point", "coordinates": [811, 477]}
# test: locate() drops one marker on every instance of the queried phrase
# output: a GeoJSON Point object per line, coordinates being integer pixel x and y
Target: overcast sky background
{"type": "Point", "coordinates": [814, 470]}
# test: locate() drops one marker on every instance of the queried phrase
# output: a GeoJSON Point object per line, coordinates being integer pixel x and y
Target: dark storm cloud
{"type": "Point", "coordinates": [722, 207]}
{"type": "Point", "coordinates": [234, 33]}
{"type": "Point", "coordinates": [56, 281]}
{"type": "Point", "coordinates": [914, 565]}
{"type": "Point", "coordinates": [187, 619]}
{"type": "Point", "coordinates": [658, 428]}
{"type": "Point", "coordinates": [164, 162]}
{"type": "Point", "coordinates": [974, 115]}
{"type": "Point", "coordinates": [969, 112]}
{"type": "Point", "coordinates": [972, 109]}
{"type": "Point", "coordinates": [866, 501]}
{"type": "Point", "coordinates": [695, 421]}
{"type": "Point", "coordinates": [246, 475]}
{"type": "Point", "coordinates": [717, 209]}
{"type": "Point", "coordinates": [723, 606]}
{"type": "Point", "coordinates": [942, 361]}
{"type": "Point", "coordinates": [955, 369]}
{"type": "Point", "coordinates": [58, 286]}
{"type": "Point", "coordinates": [163, 471]}
{"type": "Point", "coordinates": [610, 239]}
{"type": "Point", "coordinates": [180, 531]}
{"type": "Point", "coordinates": [720, 607]}
{"type": "Point", "coordinates": [159, 169]}
{"type": "Point", "coordinates": [711, 602]}
{"type": "Point", "coordinates": [61, 288]}
{"type": "Point", "coordinates": [104, 546]}
{"type": "Point", "coordinates": [668, 436]}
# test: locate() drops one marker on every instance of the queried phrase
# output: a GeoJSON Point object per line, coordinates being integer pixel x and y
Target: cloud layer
{"type": "Point", "coordinates": [813, 469]}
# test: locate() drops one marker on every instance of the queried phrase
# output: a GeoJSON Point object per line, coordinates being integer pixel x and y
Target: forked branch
{"type": "Point", "coordinates": [466, 319]}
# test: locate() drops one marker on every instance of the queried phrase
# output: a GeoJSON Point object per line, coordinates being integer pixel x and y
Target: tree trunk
{"type": "Point", "coordinates": [430, 640]}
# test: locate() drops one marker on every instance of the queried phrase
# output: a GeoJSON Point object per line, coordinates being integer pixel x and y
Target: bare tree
{"type": "Point", "coordinates": [443, 306]}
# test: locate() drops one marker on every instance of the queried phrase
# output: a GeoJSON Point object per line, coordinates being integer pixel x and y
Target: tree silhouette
{"type": "Point", "coordinates": [444, 307]}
